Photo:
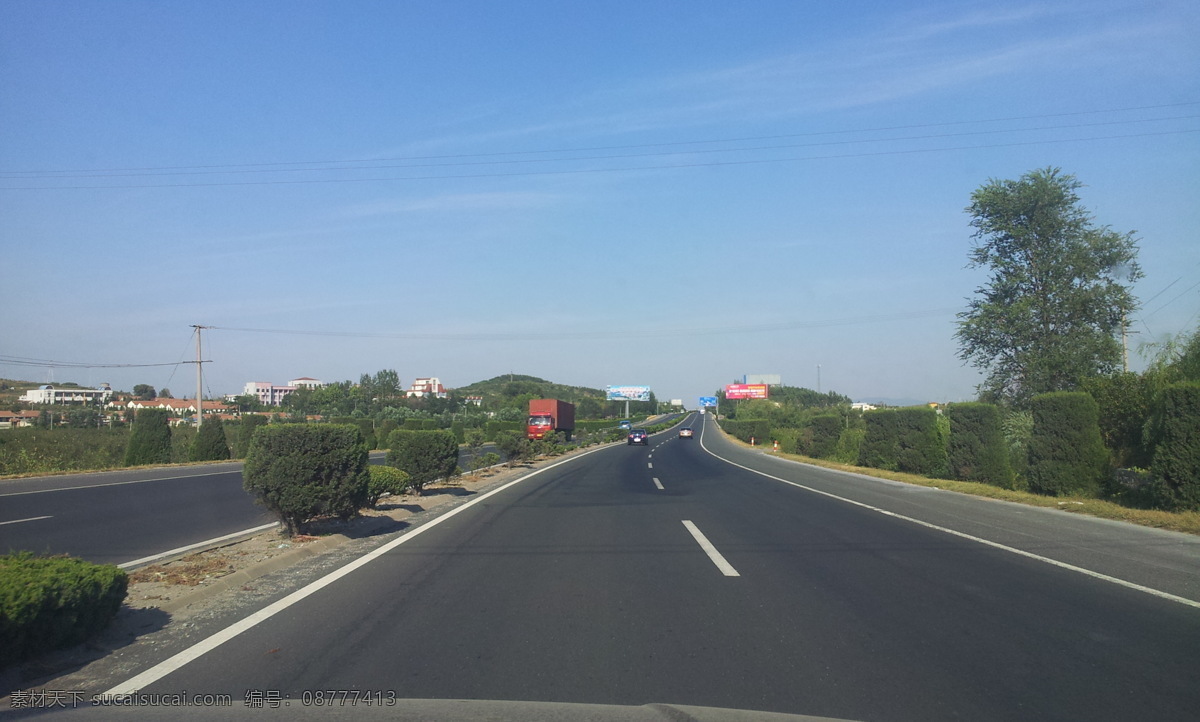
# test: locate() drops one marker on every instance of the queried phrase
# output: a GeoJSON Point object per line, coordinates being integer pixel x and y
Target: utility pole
{"type": "Point", "coordinates": [1125, 343]}
{"type": "Point", "coordinates": [818, 378]}
{"type": "Point", "coordinates": [199, 378]}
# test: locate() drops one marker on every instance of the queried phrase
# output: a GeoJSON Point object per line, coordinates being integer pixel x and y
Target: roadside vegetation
{"type": "Point", "coordinates": [1058, 421]}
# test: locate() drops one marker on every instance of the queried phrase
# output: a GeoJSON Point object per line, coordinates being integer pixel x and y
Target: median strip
{"type": "Point", "coordinates": [204, 545]}
{"type": "Point", "coordinates": [725, 567]}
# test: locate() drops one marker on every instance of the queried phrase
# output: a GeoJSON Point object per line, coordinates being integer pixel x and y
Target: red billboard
{"type": "Point", "coordinates": [746, 391]}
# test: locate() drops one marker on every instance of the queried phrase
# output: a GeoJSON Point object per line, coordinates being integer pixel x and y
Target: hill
{"type": "Point", "coordinates": [509, 386]}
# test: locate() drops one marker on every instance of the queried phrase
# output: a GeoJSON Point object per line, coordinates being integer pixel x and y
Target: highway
{"type": "Point", "coordinates": [121, 517]}
{"type": "Point", "coordinates": [678, 573]}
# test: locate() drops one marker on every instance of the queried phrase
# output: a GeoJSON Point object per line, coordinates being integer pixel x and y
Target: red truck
{"type": "Point", "coordinates": [547, 416]}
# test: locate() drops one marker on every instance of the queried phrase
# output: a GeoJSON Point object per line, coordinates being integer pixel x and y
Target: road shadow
{"type": "Point", "coordinates": [130, 624]}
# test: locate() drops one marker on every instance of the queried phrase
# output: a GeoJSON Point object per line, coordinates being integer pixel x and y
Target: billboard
{"type": "Point", "coordinates": [708, 401]}
{"type": "Point", "coordinates": [628, 393]}
{"type": "Point", "coordinates": [746, 391]}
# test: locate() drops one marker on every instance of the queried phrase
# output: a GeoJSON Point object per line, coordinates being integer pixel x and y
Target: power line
{"type": "Point", "coordinates": [596, 335]}
{"type": "Point", "coordinates": [106, 174]}
{"type": "Point", "coordinates": [588, 171]}
{"type": "Point", "coordinates": [634, 146]}
{"type": "Point", "coordinates": [48, 363]}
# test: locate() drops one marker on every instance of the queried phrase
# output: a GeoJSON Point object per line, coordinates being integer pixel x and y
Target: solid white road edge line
{"type": "Point", "coordinates": [658, 484]}
{"type": "Point", "coordinates": [162, 669]}
{"type": "Point", "coordinates": [725, 567]}
{"type": "Point", "coordinates": [18, 521]}
{"type": "Point", "coordinates": [197, 545]}
{"type": "Point", "coordinates": [995, 545]}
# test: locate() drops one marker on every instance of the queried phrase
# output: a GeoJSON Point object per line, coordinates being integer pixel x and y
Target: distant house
{"type": "Point", "coordinates": [271, 395]}
{"type": "Point", "coordinates": [304, 382]}
{"type": "Point", "coordinates": [426, 387]}
{"type": "Point", "coordinates": [862, 407]}
{"type": "Point", "coordinates": [48, 394]}
{"type": "Point", "coordinates": [476, 400]}
{"type": "Point", "coordinates": [17, 419]}
{"type": "Point", "coordinates": [178, 407]}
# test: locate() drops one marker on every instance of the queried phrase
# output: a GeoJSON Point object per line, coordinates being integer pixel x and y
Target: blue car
{"type": "Point", "coordinates": [639, 436]}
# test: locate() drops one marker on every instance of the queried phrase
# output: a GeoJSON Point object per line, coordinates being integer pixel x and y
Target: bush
{"type": "Point", "coordinates": [384, 433]}
{"type": "Point", "coordinates": [250, 423]}
{"type": "Point", "coordinates": [923, 441]}
{"type": "Point", "coordinates": [366, 427]}
{"type": "Point", "coordinates": [210, 444]}
{"type": "Point", "coordinates": [413, 424]}
{"type": "Point", "coordinates": [384, 480]}
{"type": "Point", "coordinates": [978, 451]}
{"type": "Point", "coordinates": [431, 425]}
{"type": "Point", "coordinates": [1176, 464]}
{"type": "Point", "coordinates": [425, 456]}
{"type": "Point", "coordinates": [849, 445]}
{"type": "Point", "coordinates": [515, 446]}
{"type": "Point", "coordinates": [826, 430]}
{"type": "Point", "coordinates": [788, 440]}
{"type": "Point", "coordinates": [39, 451]}
{"type": "Point", "coordinates": [150, 439]}
{"type": "Point", "coordinates": [301, 471]}
{"type": "Point", "coordinates": [1066, 453]}
{"type": "Point", "coordinates": [757, 429]}
{"type": "Point", "coordinates": [459, 430]}
{"type": "Point", "coordinates": [52, 603]}
{"type": "Point", "coordinates": [1123, 402]}
{"type": "Point", "coordinates": [880, 446]}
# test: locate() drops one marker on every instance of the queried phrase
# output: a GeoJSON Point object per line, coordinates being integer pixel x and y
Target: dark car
{"type": "Point", "coordinates": [639, 436]}
{"type": "Point", "coordinates": [686, 432]}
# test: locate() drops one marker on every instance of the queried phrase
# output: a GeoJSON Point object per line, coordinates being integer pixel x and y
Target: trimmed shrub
{"type": "Point", "coordinates": [250, 423]}
{"type": "Point", "coordinates": [36, 451]}
{"type": "Point", "coordinates": [210, 444]}
{"type": "Point", "coordinates": [922, 441]}
{"type": "Point", "coordinates": [384, 480]}
{"type": "Point", "coordinates": [978, 451]}
{"type": "Point", "coordinates": [1066, 453]}
{"type": "Point", "coordinates": [150, 439]}
{"type": "Point", "coordinates": [492, 428]}
{"type": "Point", "coordinates": [515, 446]}
{"type": "Point", "coordinates": [413, 424]}
{"type": "Point", "coordinates": [384, 433]}
{"type": "Point", "coordinates": [49, 603]}
{"type": "Point", "coordinates": [1124, 405]}
{"type": "Point", "coordinates": [302, 471]}
{"type": "Point", "coordinates": [758, 429]}
{"type": "Point", "coordinates": [880, 446]}
{"type": "Point", "coordinates": [425, 456]}
{"type": "Point", "coordinates": [431, 425]}
{"type": "Point", "coordinates": [1176, 465]}
{"type": "Point", "coordinates": [826, 430]}
{"type": "Point", "coordinates": [459, 430]}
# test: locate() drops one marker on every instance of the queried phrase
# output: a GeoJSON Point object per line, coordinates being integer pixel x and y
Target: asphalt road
{"type": "Point", "coordinates": [666, 574]}
{"type": "Point", "coordinates": [117, 517]}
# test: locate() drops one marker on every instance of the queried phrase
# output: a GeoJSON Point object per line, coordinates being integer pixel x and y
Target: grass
{"type": "Point", "coordinates": [1187, 522]}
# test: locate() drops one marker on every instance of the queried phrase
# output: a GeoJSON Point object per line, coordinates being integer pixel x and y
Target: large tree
{"type": "Point", "coordinates": [1058, 296]}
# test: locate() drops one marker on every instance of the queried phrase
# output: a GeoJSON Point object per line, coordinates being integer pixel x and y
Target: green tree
{"type": "Point", "coordinates": [425, 456]}
{"type": "Point", "coordinates": [301, 471]}
{"type": "Point", "coordinates": [165, 394]}
{"type": "Point", "coordinates": [143, 392]}
{"type": "Point", "coordinates": [150, 439]}
{"type": "Point", "coordinates": [210, 443]}
{"type": "Point", "coordinates": [1057, 296]}
{"type": "Point", "coordinates": [249, 424]}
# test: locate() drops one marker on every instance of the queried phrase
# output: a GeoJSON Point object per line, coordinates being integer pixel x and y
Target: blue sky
{"type": "Point", "coordinates": [661, 193]}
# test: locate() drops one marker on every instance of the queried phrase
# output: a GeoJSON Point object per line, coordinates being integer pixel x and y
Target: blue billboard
{"type": "Point", "coordinates": [708, 401]}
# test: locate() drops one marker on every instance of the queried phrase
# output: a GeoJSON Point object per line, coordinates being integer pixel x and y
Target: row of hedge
{"type": "Point", "coordinates": [1061, 453]}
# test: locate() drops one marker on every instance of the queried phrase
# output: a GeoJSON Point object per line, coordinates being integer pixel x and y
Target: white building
{"type": "Point", "coordinates": [306, 383]}
{"type": "Point", "coordinates": [47, 394]}
{"type": "Point", "coordinates": [266, 393]}
{"type": "Point", "coordinates": [427, 387]}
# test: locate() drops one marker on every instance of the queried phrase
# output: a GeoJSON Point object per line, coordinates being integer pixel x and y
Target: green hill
{"type": "Point", "coordinates": [510, 386]}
